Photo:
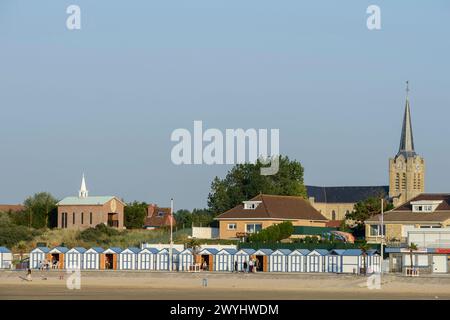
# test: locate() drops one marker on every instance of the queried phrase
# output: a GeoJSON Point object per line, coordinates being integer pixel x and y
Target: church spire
{"type": "Point", "coordinates": [407, 139]}
{"type": "Point", "coordinates": [83, 193]}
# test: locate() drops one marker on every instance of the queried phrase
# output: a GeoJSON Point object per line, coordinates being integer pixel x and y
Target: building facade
{"type": "Point", "coordinates": [407, 168]}
{"type": "Point", "coordinates": [265, 210]}
{"type": "Point", "coordinates": [86, 212]}
{"type": "Point", "coordinates": [424, 212]}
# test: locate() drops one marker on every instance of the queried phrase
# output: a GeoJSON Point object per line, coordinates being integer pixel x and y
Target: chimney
{"type": "Point", "coordinates": [151, 210]}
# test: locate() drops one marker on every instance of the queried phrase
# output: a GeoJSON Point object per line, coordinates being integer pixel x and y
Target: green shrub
{"type": "Point", "coordinates": [275, 232]}
{"type": "Point", "coordinates": [11, 235]}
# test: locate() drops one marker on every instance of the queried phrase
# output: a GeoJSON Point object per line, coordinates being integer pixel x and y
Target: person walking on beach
{"type": "Point", "coordinates": [236, 266]}
{"type": "Point", "coordinates": [250, 266]}
{"type": "Point", "coordinates": [245, 266]}
{"type": "Point", "coordinates": [29, 275]}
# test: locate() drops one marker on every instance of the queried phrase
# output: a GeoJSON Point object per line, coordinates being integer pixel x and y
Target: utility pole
{"type": "Point", "coordinates": [382, 236]}
{"type": "Point", "coordinates": [171, 235]}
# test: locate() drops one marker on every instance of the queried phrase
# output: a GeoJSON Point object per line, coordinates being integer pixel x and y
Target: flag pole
{"type": "Point", "coordinates": [171, 235]}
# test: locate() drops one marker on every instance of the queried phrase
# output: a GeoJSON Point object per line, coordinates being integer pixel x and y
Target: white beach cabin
{"type": "Point", "coordinates": [315, 260]}
{"type": "Point", "coordinates": [127, 259]}
{"type": "Point", "coordinates": [351, 261]}
{"type": "Point", "coordinates": [278, 260]}
{"type": "Point", "coordinates": [146, 259]}
{"type": "Point", "coordinates": [91, 258]}
{"type": "Point", "coordinates": [185, 260]}
{"type": "Point", "coordinates": [109, 259]}
{"type": "Point", "coordinates": [208, 255]}
{"type": "Point", "coordinates": [333, 261]}
{"type": "Point", "coordinates": [162, 260]}
{"type": "Point", "coordinates": [225, 260]}
{"type": "Point", "coordinates": [373, 261]}
{"type": "Point", "coordinates": [262, 259]}
{"type": "Point", "coordinates": [38, 256]}
{"type": "Point", "coordinates": [242, 256]}
{"type": "Point", "coordinates": [5, 258]}
{"type": "Point", "coordinates": [296, 260]}
{"type": "Point", "coordinates": [57, 256]}
{"type": "Point", "coordinates": [74, 258]}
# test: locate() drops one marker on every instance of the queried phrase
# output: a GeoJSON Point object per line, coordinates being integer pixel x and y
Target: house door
{"type": "Point", "coordinates": [440, 264]}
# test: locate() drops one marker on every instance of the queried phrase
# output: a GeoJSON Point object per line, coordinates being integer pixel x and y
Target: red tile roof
{"type": "Point", "coordinates": [158, 217]}
{"type": "Point", "coordinates": [11, 207]}
{"type": "Point", "coordinates": [277, 208]}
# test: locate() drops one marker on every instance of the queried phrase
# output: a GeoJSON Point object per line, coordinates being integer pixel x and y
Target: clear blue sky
{"type": "Point", "coordinates": [104, 100]}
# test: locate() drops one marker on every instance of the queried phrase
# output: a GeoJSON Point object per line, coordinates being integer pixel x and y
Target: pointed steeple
{"type": "Point", "coordinates": [83, 193]}
{"type": "Point", "coordinates": [407, 139]}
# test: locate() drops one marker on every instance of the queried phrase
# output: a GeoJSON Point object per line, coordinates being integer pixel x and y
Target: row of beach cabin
{"type": "Point", "coordinates": [265, 260]}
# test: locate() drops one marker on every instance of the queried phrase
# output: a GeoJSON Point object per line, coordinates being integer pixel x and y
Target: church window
{"type": "Point", "coordinates": [82, 217]}
{"type": "Point", "coordinates": [90, 217]}
{"type": "Point", "coordinates": [73, 218]}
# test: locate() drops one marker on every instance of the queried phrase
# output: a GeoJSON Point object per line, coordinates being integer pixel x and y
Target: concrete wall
{"type": "Point", "coordinates": [205, 233]}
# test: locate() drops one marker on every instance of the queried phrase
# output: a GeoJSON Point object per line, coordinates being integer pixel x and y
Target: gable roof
{"type": "Point", "coordinates": [303, 252]}
{"type": "Point", "coordinates": [277, 208]}
{"type": "Point", "coordinates": [352, 194]}
{"type": "Point", "coordinates": [4, 250]}
{"type": "Point", "coordinates": [114, 249]}
{"type": "Point", "coordinates": [59, 249]}
{"type": "Point", "coordinates": [285, 252]}
{"type": "Point", "coordinates": [263, 252]}
{"type": "Point", "coordinates": [132, 249]}
{"type": "Point", "coordinates": [404, 212]}
{"type": "Point", "coordinates": [227, 251]}
{"type": "Point", "coordinates": [43, 249]}
{"type": "Point", "coordinates": [246, 251]}
{"type": "Point", "coordinates": [208, 251]}
{"type": "Point", "coordinates": [352, 252]}
{"type": "Point", "coordinates": [160, 217]}
{"type": "Point", "coordinates": [96, 249]}
{"type": "Point", "coordinates": [78, 249]}
{"type": "Point", "coordinates": [88, 201]}
{"type": "Point", "coordinates": [322, 252]}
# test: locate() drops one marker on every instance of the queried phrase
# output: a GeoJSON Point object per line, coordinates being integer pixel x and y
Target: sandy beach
{"type": "Point", "coordinates": [119, 285]}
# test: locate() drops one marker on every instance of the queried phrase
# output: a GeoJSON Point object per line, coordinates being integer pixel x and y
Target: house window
{"type": "Point", "coordinates": [90, 217]}
{"type": "Point", "coordinates": [375, 230]}
{"type": "Point", "coordinates": [82, 217]}
{"type": "Point", "coordinates": [161, 214]}
{"type": "Point", "coordinates": [253, 227]}
{"type": "Point", "coordinates": [232, 226]}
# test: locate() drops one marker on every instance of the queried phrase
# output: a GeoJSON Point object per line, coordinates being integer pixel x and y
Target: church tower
{"type": "Point", "coordinates": [407, 168]}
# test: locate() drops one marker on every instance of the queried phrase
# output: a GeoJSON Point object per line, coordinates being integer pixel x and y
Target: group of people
{"type": "Point", "coordinates": [251, 266]}
{"type": "Point", "coordinates": [46, 265]}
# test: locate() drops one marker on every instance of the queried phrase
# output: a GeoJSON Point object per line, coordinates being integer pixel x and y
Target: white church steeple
{"type": "Point", "coordinates": [83, 193]}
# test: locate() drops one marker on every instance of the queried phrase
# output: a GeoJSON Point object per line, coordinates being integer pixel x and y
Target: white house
{"type": "Point", "coordinates": [296, 260]}
{"type": "Point", "coordinates": [278, 260]}
{"type": "Point", "coordinates": [225, 260]}
{"type": "Point", "coordinates": [74, 258]}
{"type": "Point", "coordinates": [38, 256]}
{"type": "Point", "coordinates": [91, 258]}
{"type": "Point", "coordinates": [315, 260]}
{"type": "Point", "coordinates": [146, 259]}
{"type": "Point", "coordinates": [5, 258]}
{"type": "Point", "coordinates": [127, 259]}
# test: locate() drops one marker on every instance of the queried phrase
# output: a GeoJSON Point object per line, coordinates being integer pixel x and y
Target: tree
{"type": "Point", "coordinates": [364, 247]}
{"type": "Point", "coordinates": [412, 247]}
{"type": "Point", "coordinates": [198, 217]}
{"type": "Point", "coordinates": [39, 207]}
{"type": "Point", "coordinates": [194, 245]}
{"type": "Point", "coordinates": [364, 210]}
{"type": "Point", "coordinates": [21, 248]}
{"type": "Point", "coordinates": [275, 232]}
{"type": "Point", "coordinates": [134, 215]}
{"type": "Point", "coordinates": [244, 181]}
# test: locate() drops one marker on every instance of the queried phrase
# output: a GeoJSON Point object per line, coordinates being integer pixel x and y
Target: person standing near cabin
{"type": "Point", "coordinates": [235, 266]}
{"type": "Point", "coordinates": [250, 266]}
{"type": "Point", "coordinates": [245, 266]}
{"type": "Point", "coordinates": [205, 265]}
{"type": "Point", "coordinates": [256, 265]}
